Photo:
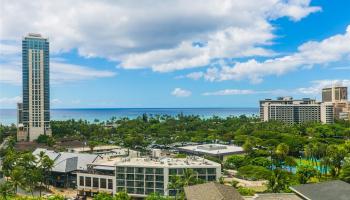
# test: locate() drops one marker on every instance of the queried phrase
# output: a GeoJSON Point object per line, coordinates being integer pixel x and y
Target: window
{"type": "Point", "coordinates": [81, 180]}
{"type": "Point", "coordinates": [130, 190]}
{"type": "Point", "coordinates": [159, 178]}
{"type": "Point", "coordinates": [88, 181]}
{"type": "Point", "coordinates": [159, 185]}
{"type": "Point", "coordinates": [149, 170]}
{"type": "Point", "coordinates": [120, 176]}
{"type": "Point", "coordinates": [140, 191]}
{"type": "Point", "coordinates": [110, 184]}
{"type": "Point", "coordinates": [103, 183]}
{"type": "Point", "coordinates": [211, 171]}
{"type": "Point", "coordinates": [130, 184]}
{"type": "Point", "coordinates": [172, 171]}
{"type": "Point", "coordinates": [149, 178]}
{"type": "Point", "coordinates": [211, 178]}
{"type": "Point", "coordinates": [95, 182]}
{"type": "Point", "coordinates": [139, 170]}
{"type": "Point", "coordinates": [130, 176]}
{"type": "Point", "coordinates": [139, 177]}
{"type": "Point", "coordinates": [120, 169]}
{"type": "Point", "coordinates": [150, 184]}
{"type": "Point", "coordinates": [120, 182]}
{"type": "Point", "coordinates": [139, 184]}
{"type": "Point", "coordinates": [159, 171]}
{"type": "Point", "coordinates": [130, 170]}
{"type": "Point", "coordinates": [200, 171]}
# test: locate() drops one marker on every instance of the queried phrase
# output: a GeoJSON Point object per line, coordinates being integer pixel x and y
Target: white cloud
{"type": "Point", "coordinates": [60, 72]}
{"type": "Point", "coordinates": [152, 34]}
{"type": "Point", "coordinates": [10, 73]}
{"type": "Point", "coordinates": [56, 101]}
{"type": "Point", "coordinates": [10, 100]}
{"type": "Point", "coordinates": [229, 92]}
{"type": "Point", "coordinates": [317, 85]}
{"type": "Point", "coordinates": [314, 89]}
{"type": "Point", "coordinates": [63, 72]}
{"type": "Point", "coordinates": [341, 68]}
{"type": "Point", "coordinates": [311, 53]}
{"type": "Point", "coordinates": [178, 92]}
{"type": "Point", "coordinates": [195, 75]}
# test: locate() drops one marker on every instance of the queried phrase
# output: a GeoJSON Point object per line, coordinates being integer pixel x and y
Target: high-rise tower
{"type": "Point", "coordinates": [36, 88]}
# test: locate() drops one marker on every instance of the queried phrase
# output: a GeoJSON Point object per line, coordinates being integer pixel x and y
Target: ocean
{"type": "Point", "coordinates": [8, 116]}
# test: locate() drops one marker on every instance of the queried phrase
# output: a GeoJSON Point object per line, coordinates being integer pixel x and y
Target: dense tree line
{"type": "Point", "coordinates": [280, 153]}
{"type": "Point", "coordinates": [165, 130]}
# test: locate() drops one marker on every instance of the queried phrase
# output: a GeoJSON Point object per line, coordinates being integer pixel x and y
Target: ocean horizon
{"type": "Point", "coordinates": [9, 116]}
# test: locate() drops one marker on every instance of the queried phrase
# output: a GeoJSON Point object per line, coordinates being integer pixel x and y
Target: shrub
{"type": "Point", "coordinates": [246, 191]}
{"type": "Point", "coordinates": [235, 162]}
{"type": "Point", "coordinates": [252, 172]}
{"type": "Point", "coordinates": [261, 161]}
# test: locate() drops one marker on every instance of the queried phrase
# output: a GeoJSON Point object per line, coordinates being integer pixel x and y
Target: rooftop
{"type": "Point", "coordinates": [157, 162]}
{"type": "Point", "coordinates": [329, 190]}
{"type": "Point", "coordinates": [211, 191]}
{"type": "Point", "coordinates": [34, 36]}
{"type": "Point", "coordinates": [68, 162]}
{"type": "Point", "coordinates": [216, 149]}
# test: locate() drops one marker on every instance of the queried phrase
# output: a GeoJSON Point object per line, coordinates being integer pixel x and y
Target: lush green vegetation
{"type": "Point", "coordinates": [279, 153]}
{"type": "Point", "coordinates": [6, 131]}
{"type": "Point", "coordinates": [24, 170]}
{"type": "Point", "coordinates": [54, 197]}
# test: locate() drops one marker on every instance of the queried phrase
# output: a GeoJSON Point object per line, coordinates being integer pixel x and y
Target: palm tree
{"type": "Point", "coordinates": [175, 184]}
{"type": "Point", "coordinates": [279, 181]}
{"type": "Point", "coordinates": [44, 164]}
{"type": "Point", "coordinates": [17, 177]}
{"type": "Point", "coordinates": [189, 177]}
{"type": "Point", "coordinates": [281, 153]}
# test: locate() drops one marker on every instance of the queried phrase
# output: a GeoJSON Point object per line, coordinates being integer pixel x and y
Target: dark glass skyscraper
{"type": "Point", "coordinates": [36, 88]}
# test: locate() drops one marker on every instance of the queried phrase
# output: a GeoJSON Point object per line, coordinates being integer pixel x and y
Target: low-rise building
{"type": "Point", "coordinates": [214, 150]}
{"type": "Point", "coordinates": [66, 165]}
{"type": "Point", "coordinates": [141, 176]}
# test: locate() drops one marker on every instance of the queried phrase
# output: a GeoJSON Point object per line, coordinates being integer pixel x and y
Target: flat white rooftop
{"type": "Point", "coordinates": [189, 162]}
{"type": "Point", "coordinates": [213, 149]}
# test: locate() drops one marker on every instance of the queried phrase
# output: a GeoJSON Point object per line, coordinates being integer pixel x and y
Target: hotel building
{"type": "Point", "coordinates": [141, 176]}
{"type": "Point", "coordinates": [291, 111]}
{"type": "Point", "coordinates": [338, 96]}
{"type": "Point", "coordinates": [35, 108]}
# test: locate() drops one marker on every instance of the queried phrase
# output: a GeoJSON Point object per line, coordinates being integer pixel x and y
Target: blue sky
{"type": "Point", "coordinates": [179, 53]}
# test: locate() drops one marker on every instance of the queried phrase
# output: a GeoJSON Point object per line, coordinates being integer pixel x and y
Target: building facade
{"type": "Point", "coordinates": [140, 177]}
{"type": "Point", "coordinates": [335, 94]}
{"type": "Point", "coordinates": [36, 88]}
{"type": "Point", "coordinates": [290, 111]}
{"type": "Point", "coordinates": [338, 96]}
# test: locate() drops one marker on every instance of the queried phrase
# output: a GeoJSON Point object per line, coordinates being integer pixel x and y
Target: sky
{"type": "Point", "coordinates": [179, 53]}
